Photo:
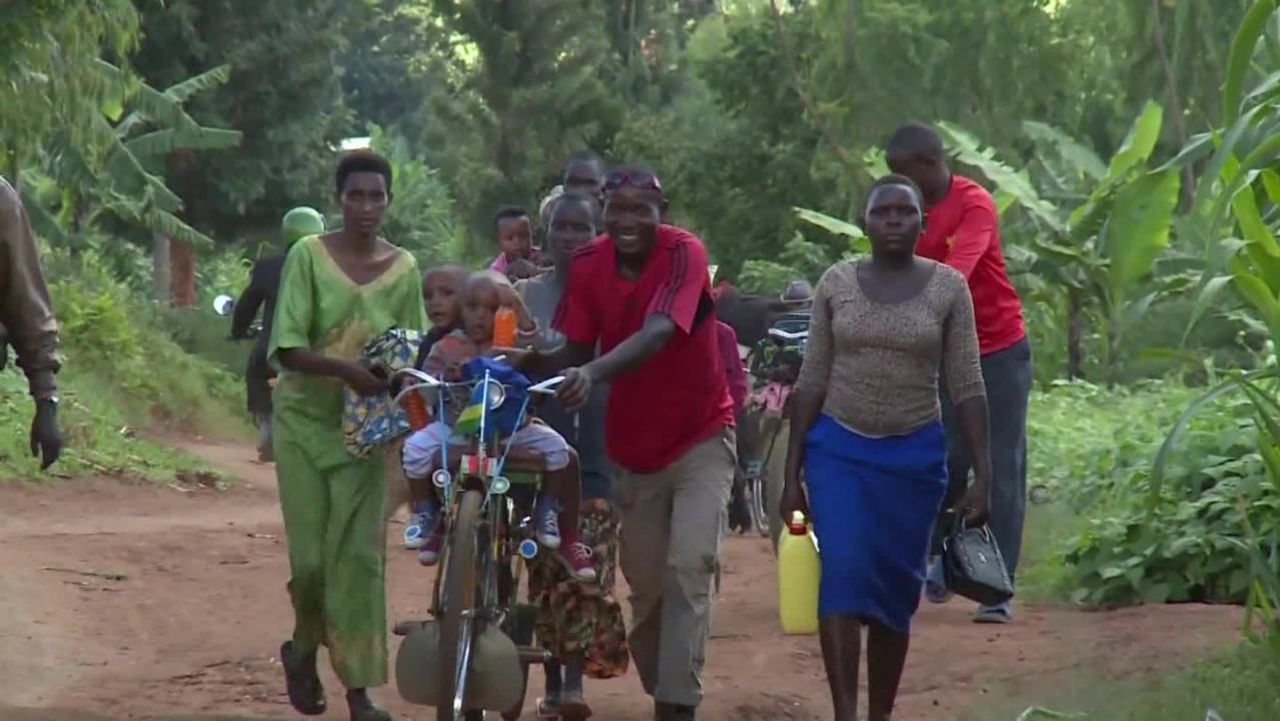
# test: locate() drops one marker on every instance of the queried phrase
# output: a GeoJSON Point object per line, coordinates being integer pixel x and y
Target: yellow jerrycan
{"type": "Point", "coordinates": [798, 576]}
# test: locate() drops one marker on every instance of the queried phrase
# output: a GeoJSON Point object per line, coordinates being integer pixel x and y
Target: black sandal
{"type": "Point", "coordinates": [306, 693]}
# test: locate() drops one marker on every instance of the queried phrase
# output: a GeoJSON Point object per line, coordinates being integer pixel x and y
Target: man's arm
{"type": "Point", "coordinates": [247, 306]}
{"type": "Point", "coordinates": [635, 350]}
{"type": "Point", "coordinates": [549, 362]}
{"type": "Point", "coordinates": [673, 309]}
{"type": "Point", "coordinates": [973, 236]}
{"type": "Point", "coordinates": [25, 308]}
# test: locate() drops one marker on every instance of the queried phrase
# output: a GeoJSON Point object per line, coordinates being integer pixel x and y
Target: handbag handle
{"type": "Point", "coordinates": [959, 526]}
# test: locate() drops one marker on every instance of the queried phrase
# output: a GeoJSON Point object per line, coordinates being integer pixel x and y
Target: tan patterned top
{"type": "Point", "coordinates": [877, 363]}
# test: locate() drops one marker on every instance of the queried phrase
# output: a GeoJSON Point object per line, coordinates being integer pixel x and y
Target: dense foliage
{"type": "Point", "coordinates": [1130, 146]}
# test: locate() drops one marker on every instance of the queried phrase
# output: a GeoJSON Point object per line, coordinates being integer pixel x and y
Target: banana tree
{"type": "Point", "coordinates": [119, 172]}
{"type": "Point", "coordinates": [1235, 216]}
{"type": "Point", "coordinates": [1102, 253]}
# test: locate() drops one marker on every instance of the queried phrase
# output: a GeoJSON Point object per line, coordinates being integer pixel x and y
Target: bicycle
{"type": "Point", "coordinates": [477, 609]}
{"type": "Point", "coordinates": [794, 331]}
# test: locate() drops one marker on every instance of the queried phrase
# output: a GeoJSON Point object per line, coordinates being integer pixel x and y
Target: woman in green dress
{"type": "Point", "coordinates": [338, 291]}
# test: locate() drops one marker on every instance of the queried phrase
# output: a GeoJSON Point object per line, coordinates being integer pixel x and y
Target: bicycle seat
{"type": "Point", "coordinates": [785, 335]}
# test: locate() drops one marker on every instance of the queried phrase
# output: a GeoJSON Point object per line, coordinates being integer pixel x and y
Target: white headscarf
{"type": "Point", "coordinates": [544, 208]}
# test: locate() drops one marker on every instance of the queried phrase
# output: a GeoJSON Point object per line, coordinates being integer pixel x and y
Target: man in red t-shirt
{"type": "Point", "coordinates": [643, 292]}
{"type": "Point", "coordinates": [962, 230]}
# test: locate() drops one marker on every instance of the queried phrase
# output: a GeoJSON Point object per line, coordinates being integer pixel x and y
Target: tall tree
{"type": "Point", "coordinates": [523, 92]}
{"type": "Point", "coordinates": [284, 95]}
{"type": "Point", "coordinates": [389, 67]}
{"type": "Point", "coordinates": [734, 151]}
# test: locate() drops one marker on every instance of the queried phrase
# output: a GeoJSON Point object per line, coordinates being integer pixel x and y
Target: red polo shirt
{"type": "Point", "coordinates": [963, 231]}
{"type": "Point", "coordinates": [679, 397]}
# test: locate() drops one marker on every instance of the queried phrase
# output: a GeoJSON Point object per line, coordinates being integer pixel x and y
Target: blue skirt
{"type": "Point", "coordinates": [873, 502]}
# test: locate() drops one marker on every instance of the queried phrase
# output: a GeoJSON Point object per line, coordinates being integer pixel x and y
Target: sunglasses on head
{"type": "Point", "coordinates": [635, 178]}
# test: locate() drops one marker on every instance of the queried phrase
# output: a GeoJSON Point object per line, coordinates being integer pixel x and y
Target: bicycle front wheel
{"type": "Point", "coordinates": [758, 499]}
{"type": "Point", "coordinates": [458, 619]}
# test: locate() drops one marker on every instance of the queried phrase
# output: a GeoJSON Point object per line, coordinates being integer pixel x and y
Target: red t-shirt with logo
{"type": "Point", "coordinates": [963, 231]}
{"type": "Point", "coordinates": [680, 396]}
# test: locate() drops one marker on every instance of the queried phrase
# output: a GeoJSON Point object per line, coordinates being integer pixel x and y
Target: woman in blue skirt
{"type": "Point", "coordinates": [867, 432]}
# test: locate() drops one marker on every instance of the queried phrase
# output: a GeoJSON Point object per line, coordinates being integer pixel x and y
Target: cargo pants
{"type": "Point", "coordinates": [673, 522]}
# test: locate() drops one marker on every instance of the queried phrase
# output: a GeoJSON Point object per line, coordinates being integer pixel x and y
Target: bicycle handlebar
{"type": "Point", "coordinates": [426, 380]}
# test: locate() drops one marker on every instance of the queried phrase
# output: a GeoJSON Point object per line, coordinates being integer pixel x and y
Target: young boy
{"type": "Point", "coordinates": [483, 294]}
{"type": "Point", "coordinates": [442, 293]}
{"type": "Point", "coordinates": [513, 233]}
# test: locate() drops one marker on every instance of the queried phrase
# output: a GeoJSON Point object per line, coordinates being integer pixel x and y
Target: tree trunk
{"type": "Point", "coordinates": [1075, 336]}
{"type": "Point", "coordinates": [160, 276]}
{"type": "Point", "coordinates": [182, 284]}
{"type": "Point", "coordinates": [1175, 100]}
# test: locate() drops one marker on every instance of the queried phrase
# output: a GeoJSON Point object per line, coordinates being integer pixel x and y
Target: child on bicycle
{"type": "Point", "coordinates": [442, 293]}
{"type": "Point", "coordinates": [557, 505]}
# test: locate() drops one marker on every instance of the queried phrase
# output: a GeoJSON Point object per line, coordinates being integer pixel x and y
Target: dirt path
{"type": "Point", "coordinates": [191, 630]}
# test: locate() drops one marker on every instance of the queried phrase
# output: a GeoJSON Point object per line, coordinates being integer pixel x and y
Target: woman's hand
{"type": "Point", "coordinates": [975, 505]}
{"type": "Point", "coordinates": [793, 500]}
{"type": "Point", "coordinates": [363, 380]}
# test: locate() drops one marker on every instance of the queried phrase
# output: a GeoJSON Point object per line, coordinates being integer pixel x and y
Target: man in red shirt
{"type": "Point", "coordinates": [643, 292]}
{"type": "Point", "coordinates": [962, 230]}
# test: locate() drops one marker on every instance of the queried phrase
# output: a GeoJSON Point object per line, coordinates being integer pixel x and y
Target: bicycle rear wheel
{"type": "Point", "coordinates": [457, 621]}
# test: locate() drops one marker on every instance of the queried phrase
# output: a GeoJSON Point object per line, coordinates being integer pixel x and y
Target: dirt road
{"type": "Point", "coordinates": [122, 601]}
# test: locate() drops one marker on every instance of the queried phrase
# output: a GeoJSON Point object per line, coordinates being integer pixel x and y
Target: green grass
{"type": "Point", "coordinates": [100, 439]}
{"type": "Point", "coordinates": [124, 373]}
{"type": "Point", "coordinates": [1240, 685]}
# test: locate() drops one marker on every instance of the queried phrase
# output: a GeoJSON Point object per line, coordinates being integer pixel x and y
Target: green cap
{"type": "Point", "coordinates": [301, 222]}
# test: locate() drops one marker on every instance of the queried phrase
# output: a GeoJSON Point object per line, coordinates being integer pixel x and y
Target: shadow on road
{"type": "Point", "coordinates": [18, 714]}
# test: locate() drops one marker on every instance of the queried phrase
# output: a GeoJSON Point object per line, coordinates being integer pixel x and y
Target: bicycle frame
{"type": "Point", "coordinates": [497, 582]}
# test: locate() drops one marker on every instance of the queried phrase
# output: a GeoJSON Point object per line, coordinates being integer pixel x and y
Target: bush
{"type": "Point", "coordinates": [122, 370]}
{"type": "Point", "coordinates": [1093, 448]}
{"type": "Point", "coordinates": [115, 340]}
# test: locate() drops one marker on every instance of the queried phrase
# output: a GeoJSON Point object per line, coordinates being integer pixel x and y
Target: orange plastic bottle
{"type": "Point", "coordinates": [504, 328]}
{"type": "Point", "coordinates": [415, 410]}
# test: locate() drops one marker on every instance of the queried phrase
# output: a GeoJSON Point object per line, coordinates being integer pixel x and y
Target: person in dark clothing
{"type": "Point", "coordinates": [28, 324]}
{"type": "Point", "coordinates": [264, 281]}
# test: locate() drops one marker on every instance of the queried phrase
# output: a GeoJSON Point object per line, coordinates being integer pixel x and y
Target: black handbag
{"type": "Point", "coordinates": [972, 565]}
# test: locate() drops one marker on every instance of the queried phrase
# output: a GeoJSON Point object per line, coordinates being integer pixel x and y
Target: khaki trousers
{"type": "Point", "coordinates": [672, 524]}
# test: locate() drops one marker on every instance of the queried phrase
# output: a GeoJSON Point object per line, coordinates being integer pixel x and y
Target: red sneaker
{"type": "Point", "coordinates": [430, 553]}
{"type": "Point", "coordinates": [576, 558]}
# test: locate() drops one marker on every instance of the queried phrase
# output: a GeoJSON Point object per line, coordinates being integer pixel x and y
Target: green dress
{"type": "Point", "coordinates": [333, 501]}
